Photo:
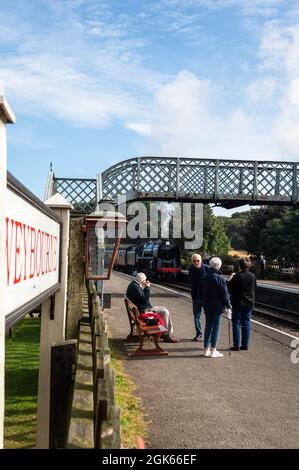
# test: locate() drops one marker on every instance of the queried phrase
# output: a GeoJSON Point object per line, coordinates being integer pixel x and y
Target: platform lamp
{"type": "Point", "coordinates": [103, 234]}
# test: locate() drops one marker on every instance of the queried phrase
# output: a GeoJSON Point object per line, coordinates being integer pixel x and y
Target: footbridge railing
{"type": "Point", "coordinates": [203, 179]}
{"type": "Point", "coordinates": [228, 183]}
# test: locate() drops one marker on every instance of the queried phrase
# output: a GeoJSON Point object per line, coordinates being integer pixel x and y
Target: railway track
{"type": "Point", "coordinates": [276, 314]}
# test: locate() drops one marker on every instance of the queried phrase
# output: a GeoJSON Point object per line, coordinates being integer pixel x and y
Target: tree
{"type": "Point", "coordinates": [279, 239]}
{"type": "Point", "coordinates": [272, 239]}
{"type": "Point", "coordinates": [216, 242]}
{"type": "Point", "coordinates": [272, 231]}
{"type": "Point", "coordinates": [235, 229]}
{"type": "Point", "coordinates": [256, 223]}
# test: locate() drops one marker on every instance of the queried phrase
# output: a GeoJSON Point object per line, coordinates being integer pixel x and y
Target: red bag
{"type": "Point", "coordinates": [152, 315]}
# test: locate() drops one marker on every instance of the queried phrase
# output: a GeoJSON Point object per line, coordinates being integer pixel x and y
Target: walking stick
{"type": "Point", "coordinates": [229, 337]}
{"type": "Point", "coordinates": [229, 316]}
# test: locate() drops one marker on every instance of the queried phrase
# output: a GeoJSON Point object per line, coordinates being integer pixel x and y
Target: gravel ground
{"type": "Point", "coordinates": [248, 399]}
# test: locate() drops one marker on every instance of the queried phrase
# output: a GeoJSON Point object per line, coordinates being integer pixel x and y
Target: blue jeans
{"type": "Point", "coordinates": [212, 329]}
{"type": "Point", "coordinates": [197, 308]}
{"type": "Point", "coordinates": [241, 320]}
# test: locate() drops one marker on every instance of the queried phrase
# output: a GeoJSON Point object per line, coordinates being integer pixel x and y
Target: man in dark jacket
{"type": "Point", "coordinates": [138, 291]}
{"type": "Point", "coordinates": [262, 263]}
{"type": "Point", "coordinates": [242, 288]}
{"type": "Point", "coordinates": [196, 272]}
{"type": "Point", "coordinates": [215, 297]}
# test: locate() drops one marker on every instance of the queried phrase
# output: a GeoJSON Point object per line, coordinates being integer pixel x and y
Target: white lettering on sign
{"type": "Point", "coordinates": [31, 251]}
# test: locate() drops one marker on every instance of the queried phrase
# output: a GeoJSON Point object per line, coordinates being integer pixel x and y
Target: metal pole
{"type": "Point", "coordinates": [295, 186]}
{"type": "Point", "coordinates": [229, 341]}
{"type": "Point", "coordinates": [177, 192]}
{"type": "Point", "coordinates": [99, 190]}
{"type": "Point", "coordinates": [100, 284]}
{"type": "Point", "coordinates": [229, 317]}
{"type": "Point", "coordinates": [216, 186]}
{"type": "Point", "coordinates": [255, 184]}
{"type": "Point", "coordinates": [138, 173]}
{"type": "Point", "coordinates": [102, 295]}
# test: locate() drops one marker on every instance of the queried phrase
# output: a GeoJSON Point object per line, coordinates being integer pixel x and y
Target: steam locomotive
{"type": "Point", "coordinates": [160, 260]}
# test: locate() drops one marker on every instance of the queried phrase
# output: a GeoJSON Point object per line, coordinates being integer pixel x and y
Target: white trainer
{"type": "Point", "coordinates": [207, 353]}
{"type": "Point", "coordinates": [216, 353]}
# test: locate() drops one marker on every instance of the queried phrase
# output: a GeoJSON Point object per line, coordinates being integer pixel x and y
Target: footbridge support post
{"type": "Point", "coordinates": [295, 183]}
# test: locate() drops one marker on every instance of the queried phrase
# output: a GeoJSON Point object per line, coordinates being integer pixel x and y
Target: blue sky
{"type": "Point", "coordinates": [94, 82]}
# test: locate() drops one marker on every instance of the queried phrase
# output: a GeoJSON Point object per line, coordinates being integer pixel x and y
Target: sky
{"type": "Point", "coordinates": [94, 82]}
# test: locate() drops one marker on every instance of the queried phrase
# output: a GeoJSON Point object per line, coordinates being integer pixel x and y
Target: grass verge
{"type": "Point", "coordinates": [21, 384]}
{"type": "Point", "coordinates": [132, 413]}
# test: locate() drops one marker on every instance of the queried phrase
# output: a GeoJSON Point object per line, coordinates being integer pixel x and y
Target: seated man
{"type": "Point", "coordinates": [138, 292]}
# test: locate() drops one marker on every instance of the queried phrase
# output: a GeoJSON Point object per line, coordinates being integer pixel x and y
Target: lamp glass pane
{"type": "Point", "coordinates": [101, 249]}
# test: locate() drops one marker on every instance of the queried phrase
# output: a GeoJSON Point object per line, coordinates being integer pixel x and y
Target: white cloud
{"type": "Point", "coordinates": [143, 129]}
{"type": "Point", "coordinates": [279, 48]}
{"type": "Point", "coordinates": [187, 121]}
{"type": "Point", "coordinates": [294, 92]}
{"type": "Point", "coordinates": [262, 90]}
{"type": "Point", "coordinates": [248, 7]}
{"type": "Point", "coordinates": [279, 51]}
{"type": "Point", "coordinates": [188, 118]}
{"type": "Point", "coordinates": [67, 75]}
{"type": "Point", "coordinates": [56, 87]}
{"type": "Point", "coordinates": [85, 68]}
{"type": "Point", "coordinates": [90, 68]}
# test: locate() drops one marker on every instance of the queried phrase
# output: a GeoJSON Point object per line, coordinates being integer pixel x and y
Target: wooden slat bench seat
{"type": "Point", "coordinates": [133, 335]}
{"type": "Point", "coordinates": [143, 331]}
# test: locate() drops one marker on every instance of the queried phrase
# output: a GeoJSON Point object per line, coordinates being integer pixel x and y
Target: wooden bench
{"type": "Point", "coordinates": [143, 330]}
{"type": "Point", "coordinates": [287, 271]}
{"type": "Point", "coordinates": [286, 274]}
{"type": "Point", "coordinates": [133, 335]}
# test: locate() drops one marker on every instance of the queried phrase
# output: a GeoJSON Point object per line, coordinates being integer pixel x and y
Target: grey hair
{"type": "Point", "coordinates": [195, 255]}
{"type": "Point", "coordinates": [215, 262]}
{"type": "Point", "coordinates": [140, 277]}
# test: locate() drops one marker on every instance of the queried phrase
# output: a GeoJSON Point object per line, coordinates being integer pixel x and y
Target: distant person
{"type": "Point", "coordinates": [196, 272]}
{"type": "Point", "coordinates": [214, 294]}
{"type": "Point", "coordinates": [242, 288]}
{"type": "Point", "coordinates": [262, 266]}
{"type": "Point", "coordinates": [138, 291]}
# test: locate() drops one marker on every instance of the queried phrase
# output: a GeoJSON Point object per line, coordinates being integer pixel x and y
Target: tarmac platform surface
{"type": "Point", "coordinates": [249, 399]}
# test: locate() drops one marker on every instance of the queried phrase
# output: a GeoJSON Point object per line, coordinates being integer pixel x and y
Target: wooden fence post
{"type": "Point", "coordinates": [63, 367]}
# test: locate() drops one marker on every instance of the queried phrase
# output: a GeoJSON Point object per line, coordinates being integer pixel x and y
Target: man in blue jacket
{"type": "Point", "coordinates": [196, 272]}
